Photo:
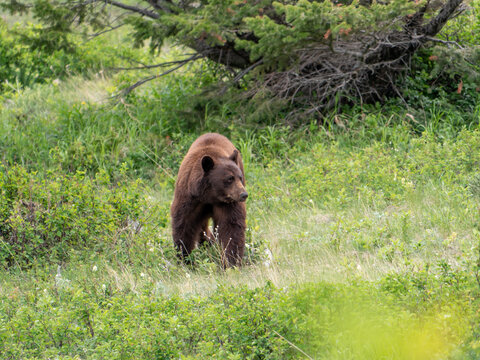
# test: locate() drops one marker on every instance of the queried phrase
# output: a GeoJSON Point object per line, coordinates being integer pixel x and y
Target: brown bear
{"type": "Point", "coordinates": [210, 184]}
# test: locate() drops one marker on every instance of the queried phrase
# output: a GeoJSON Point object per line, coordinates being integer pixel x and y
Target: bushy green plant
{"type": "Point", "coordinates": [448, 77]}
{"type": "Point", "coordinates": [67, 319]}
{"type": "Point", "coordinates": [22, 66]}
{"type": "Point", "coordinates": [45, 217]}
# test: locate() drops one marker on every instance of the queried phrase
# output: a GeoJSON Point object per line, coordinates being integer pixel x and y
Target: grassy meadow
{"type": "Point", "coordinates": [363, 227]}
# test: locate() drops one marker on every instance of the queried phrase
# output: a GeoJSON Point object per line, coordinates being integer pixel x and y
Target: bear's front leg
{"type": "Point", "coordinates": [184, 239]}
{"type": "Point", "coordinates": [186, 227]}
{"type": "Point", "coordinates": [206, 236]}
{"type": "Point", "coordinates": [229, 220]}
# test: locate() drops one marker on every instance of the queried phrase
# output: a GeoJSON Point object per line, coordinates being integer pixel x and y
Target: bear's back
{"type": "Point", "coordinates": [212, 144]}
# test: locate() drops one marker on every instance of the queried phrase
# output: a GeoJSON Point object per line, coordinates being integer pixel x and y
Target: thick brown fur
{"type": "Point", "coordinates": [210, 184]}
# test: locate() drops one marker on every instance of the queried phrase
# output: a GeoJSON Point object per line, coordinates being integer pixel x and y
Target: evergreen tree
{"type": "Point", "coordinates": [310, 51]}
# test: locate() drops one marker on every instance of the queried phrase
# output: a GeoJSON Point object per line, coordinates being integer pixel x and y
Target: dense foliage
{"type": "Point", "coordinates": [315, 54]}
{"type": "Point", "coordinates": [21, 66]}
{"type": "Point", "coordinates": [63, 319]}
{"type": "Point", "coordinates": [49, 217]}
{"type": "Point", "coordinates": [265, 29]}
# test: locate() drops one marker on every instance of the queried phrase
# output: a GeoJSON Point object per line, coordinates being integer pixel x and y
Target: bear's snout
{"type": "Point", "coordinates": [243, 196]}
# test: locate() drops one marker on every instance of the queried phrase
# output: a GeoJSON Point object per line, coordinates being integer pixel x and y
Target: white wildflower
{"type": "Point", "coordinates": [268, 257]}
{"type": "Point", "coordinates": [60, 281]}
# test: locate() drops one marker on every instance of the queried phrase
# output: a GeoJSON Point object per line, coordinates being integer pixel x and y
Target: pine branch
{"type": "Point", "coordinates": [163, 5]}
{"type": "Point", "coordinates": [138, 10]}
{"type": "Point", "coordinates": [147, 13]}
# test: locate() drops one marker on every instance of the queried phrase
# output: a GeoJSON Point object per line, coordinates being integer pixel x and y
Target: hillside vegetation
{"type": "Point", "coordinates": [363, 237]}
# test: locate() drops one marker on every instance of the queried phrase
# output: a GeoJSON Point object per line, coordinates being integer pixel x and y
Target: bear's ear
{"type": "Point", "coordinates": [207, 163]}
{"type": "Point", "coordinates": [234, 156]}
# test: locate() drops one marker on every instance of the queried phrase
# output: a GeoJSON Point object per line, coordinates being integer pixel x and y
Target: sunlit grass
{"type": "Point", "coordinates": [308, 245]}
{"type": "Point", "coordinates": [359, 328]}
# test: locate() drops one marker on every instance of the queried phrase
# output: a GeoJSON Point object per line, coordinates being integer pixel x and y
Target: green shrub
{"type": "Point", "coordinates": [23, 65]}
{"type": "Point", "coordinates": [449, 77]}
{"type": "Point", "coordinates": [379, 173]}
{"type": "Point", "coordinates": [45, 217]}
{"type": "Point", "coordinates": [64, 318]}
{"type": "Point", "coordinates": [68, 320]}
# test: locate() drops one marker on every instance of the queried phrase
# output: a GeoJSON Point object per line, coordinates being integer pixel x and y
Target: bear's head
{"type": "Point", "coordinates": [225, 178]}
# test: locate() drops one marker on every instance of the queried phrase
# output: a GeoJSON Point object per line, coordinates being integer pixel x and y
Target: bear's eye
{"type": "Point", "coordinates": [230, 179]}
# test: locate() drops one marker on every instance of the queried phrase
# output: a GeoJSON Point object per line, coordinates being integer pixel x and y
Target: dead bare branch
{"type": "Point", "coordinates": [165, 64]}
{"type": "Point", "coordinates": [181, 63]}
{"type": "Point", "coordinates": [112, 28]}
{"type": "Point", "coordinates": [444, 42]}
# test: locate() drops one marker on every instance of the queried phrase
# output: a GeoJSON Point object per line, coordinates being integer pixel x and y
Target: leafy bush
{"type": "Point", "coordinates": [45, 217]}
{"type": "Point", "coordinates": [69, 320]}
{"type": "Point", "coordinates": [22, 65]}
{"type": "Point", "coordinates": [325, 321]}
{"type": "Point", "coordinates": [446, 80]}
{"type": "Point", "coordinates": [449, 77]}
